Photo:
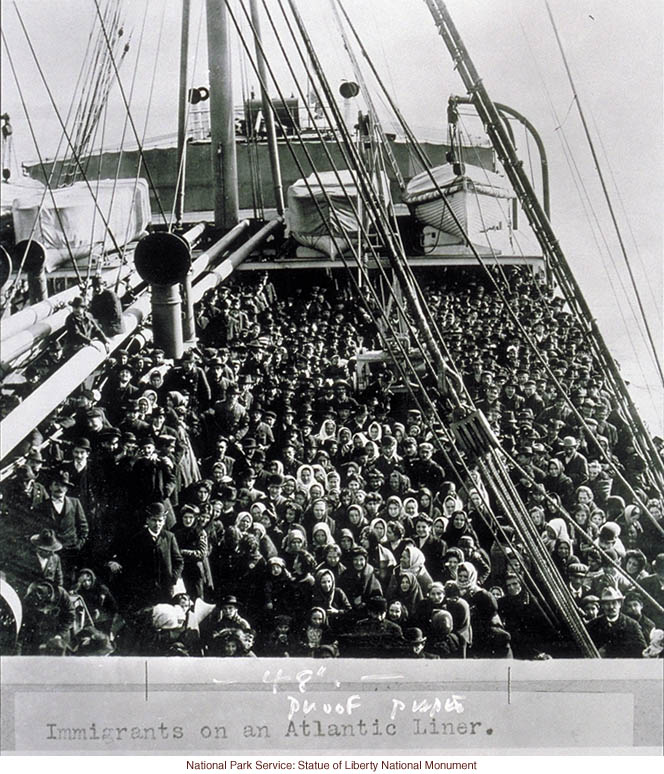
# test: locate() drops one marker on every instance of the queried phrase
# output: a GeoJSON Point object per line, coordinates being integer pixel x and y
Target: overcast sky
{"type": "Point", "coordinates": [615, 52]}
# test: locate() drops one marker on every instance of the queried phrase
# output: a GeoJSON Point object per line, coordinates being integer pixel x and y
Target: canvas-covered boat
{"type": "Point", "coordinates": [311, 203]}
{"type": "Point", "coordinates": [69, 220]}
{"type": "Point", "coordinates": [478, 198]}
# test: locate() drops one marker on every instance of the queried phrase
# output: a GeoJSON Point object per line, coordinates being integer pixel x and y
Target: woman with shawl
{"type": "Point", "coordinates": [359, 581]}
{"type": "Point", "coordinates": [314, 633]}
{"type": "Point", "coordinates": [556, 529]}
{"type": "Point", "coordinates": [563, 556]}
{"type": "Point", "coordinates": [490, 640]}
{"type": "Point", "coordinates": [459, 609]}
{"type": "Point", "coordinates": [457, 527]}
{"type": "Point", "coordinates": [379, 527]}
{"type": "Point", "coordinates": [354, 521]}
{"type": "Point", "coordinates": [411, 508]}
{"type": "Point", "coordinates": [332, 561]}
{"type": "Point", "coordinates": [244, 522]}
{"type": "Point", "coordinates": [631, 529]}
{"type": "Point", "coordinates": [278, 588]}
{"type": "Point", "coordinates": [346, 543]}
{"type": "Point", "coordinates": [403, 586]}
{"type": "Point", "coordinates": [321, 538]}
{"type": "Point", "coordinates": [328, 429]}
{"type": "Point", "coordinates": [426, 503]}
{"type": "Point", "coordinates": [556, 482]}
{"type": "Point", "coordinates": [412, 560]}
{"type": "Point", "coordinates": [433, 601]}
{"type": "Point", "coordinates": [329, 596]}
{"type": "Point", "coordinates": [379, 557]}
{"type": "Point", "coordinates": [375, 432]}
{"type": "Point", "coordinates": [305, 478]}
{"type": "Point", "coordinates": [345, 440]}
{"type": "Point", "coordinates": [295, 541]}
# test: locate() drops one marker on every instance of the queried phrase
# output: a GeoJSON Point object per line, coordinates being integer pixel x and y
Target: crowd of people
{"type": "Point", "coordinates": [270, 494]}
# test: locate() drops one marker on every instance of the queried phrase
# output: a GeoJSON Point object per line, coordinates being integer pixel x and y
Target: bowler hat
{"type": "Point", "coordinates": [46, 540]}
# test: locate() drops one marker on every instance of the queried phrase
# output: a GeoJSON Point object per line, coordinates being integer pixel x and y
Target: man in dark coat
{"type": "Point", "coordinates": [32, 560]}
{"type": "Point", "coordinates": [190, 379]}
{"type": "Point", "coordinates": [614, 634]}
{"type": "Point", "coordinates": [574, 463]}
{"type": "Point", "coordinates": [151, 478]}
{"type": "Point", "coordinates": [150, 561]}
{"type": "Point", "coordinates": [81, 328]}
{"type": "Point", "coordinates": [425, 471]}
{"type": "Point", "coordinates": [106, 308]}
{"type": "Point", "coordinates": [65, 516]}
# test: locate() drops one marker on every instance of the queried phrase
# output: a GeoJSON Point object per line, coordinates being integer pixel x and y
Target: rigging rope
{"type": "Point", "coordinates": [48, 188]}
{"type": "Point", "coordinates": [128, 111]}
{"type": "Point", "coordinates": [609, 203]}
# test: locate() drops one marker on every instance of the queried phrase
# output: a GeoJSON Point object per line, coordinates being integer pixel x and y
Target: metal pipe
{"type": "Point", "coordinates": [188, 323]}
{"type": "Point", "coordinates": [206, 259]}
{"type": "Point", "coordinates": [188, 318]}
{"type": "Point", "coordinates": [24, 340]}
{"type": "Point", "coordinates": [182, 113]}
{"type": "Point", "coordinates": [213, 278]}
{"type": "Point", "coordinates": [167, 319]}
{"type": "Point", "coordinates": [195, 233]}
{"type": "Point", "coordinates": [267, 110]}
{"type": "Point", "coordinates": [164, 260]}
{"type": "Point", "coordinates": [222, 118]}
{"type": "Point", "coordinates": [544, 163]}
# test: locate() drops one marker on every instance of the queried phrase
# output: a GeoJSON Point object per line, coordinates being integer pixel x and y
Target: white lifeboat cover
{"type": "Point", "coordinates": [421, 188]}
{"type": "Point", "coordinates": [305, 198]}
{"type": "Point", "coordinates": [74, 219]}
